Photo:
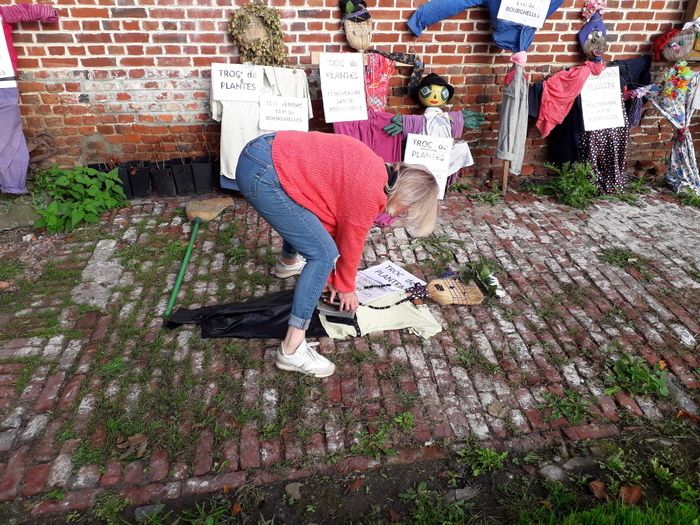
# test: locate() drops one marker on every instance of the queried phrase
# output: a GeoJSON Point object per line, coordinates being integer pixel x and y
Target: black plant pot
{"type": "Point", "coordinates": [141, 180]}
{"type": "Point", "coordinates": [182, 174]}
{"type": "Point", "coordinates": [162, 178]}
{"type": "Point", "coordinates": [202, 175]}
{"type": "Point", "coordinates": [125, 172]}
{"type": "Point", "coordinates": [216, 172]}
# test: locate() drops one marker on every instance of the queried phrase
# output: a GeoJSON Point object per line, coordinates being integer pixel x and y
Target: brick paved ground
{"type": "Point", "coordinates": [85, 364]}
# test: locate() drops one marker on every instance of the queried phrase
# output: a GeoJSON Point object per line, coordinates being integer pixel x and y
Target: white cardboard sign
{"type": "Point", "coordinates": [6, 69]}
{"type": "Point", "coordinates": [601, 102]}
{"type": "Point", "coordinates": [431, 152]}
{"type": "Point", "coordinates": [283, 113]}
{"type": "Point", "coordinates": [386, 273]}
{"type": "Point", "coordinates": [236, 81]}
{"type": "Point", "coordinates": [530, 13]}
{"type": "Point", "coordinates": [343, 86]}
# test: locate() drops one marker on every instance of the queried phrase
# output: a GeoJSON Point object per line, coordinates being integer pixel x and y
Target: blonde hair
{"type": "Point", "coordinates": [416, 189]}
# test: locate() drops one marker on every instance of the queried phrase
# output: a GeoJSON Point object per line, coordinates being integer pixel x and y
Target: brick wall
{"type": "Point", "coordinates": [132, 81]}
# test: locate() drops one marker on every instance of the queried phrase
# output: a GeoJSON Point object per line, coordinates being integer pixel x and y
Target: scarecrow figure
{"type": "Point", "coordinates": [559, 112]}
{"type": "Point", "coordinates": [433, 92]}
{"type": "Point", "coordinates": [14, 155]}
{"type": "Point", "coordinates": [675, 97]}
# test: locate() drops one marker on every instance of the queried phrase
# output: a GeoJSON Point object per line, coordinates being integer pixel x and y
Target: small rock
{"type": "Point", "coordinates": [29, 237]}
{"type": "Point", "coordinates": [293, 490]}
{"type": "Point", "coordinates": [145, 512]}
{"type": "Point", "coordinates": [4, 285]}
{"type": "Point", "coordinates": [496, 409]}
{"type": "Point", "coordinates": [554, 473]}
{"type": "Point", "coordinates": [579, 463]}
{"type": "Point", "coordinates": [466, 493]}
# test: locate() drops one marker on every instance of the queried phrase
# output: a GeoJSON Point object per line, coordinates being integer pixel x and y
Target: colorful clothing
{"type": "Point", "coordinates": [371, 133]}
{"type": "Point", "coordinates": [506, 35]}
{"type": "Point", "coordinates": [341, 181]}
{"type": "Point", "coordinates": [14, 14]}
{"type": "Point", "coordinates": [682, 166]}
{"type": "Point", "coordinates": [377, 75]}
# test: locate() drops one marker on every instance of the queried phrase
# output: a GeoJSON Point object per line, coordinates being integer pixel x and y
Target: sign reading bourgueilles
{"type": "Point", "coordinates": [530, 13]}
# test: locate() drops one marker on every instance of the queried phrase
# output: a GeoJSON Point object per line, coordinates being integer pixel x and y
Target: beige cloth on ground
{"type": "Point", "coordinates": [416, 319]}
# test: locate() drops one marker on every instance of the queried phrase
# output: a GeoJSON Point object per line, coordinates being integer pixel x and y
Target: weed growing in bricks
{"type": "Point", "coordinates": [404, 421]}
{"type": "Point", "coordinates": [359, 356]}
{"type": "Point", "coordinates": [440, 250]}
{"type": "Point", "coordinates": [480, 460]}
{"type": "Point", "coordinates": [482, 272]}
{"type": "Point", "coordinates": [24, 375]}
{"type": "Point", "coordinates": [573, 184]}
{"type": "Point", "coordinates": [10, 270]}
{"type": "Point", "coordinates": [374, 444]}
{"type": "Point", "coordinates": [492, 197]}
{"type": "Point", "coordinates": [459, 187]}
{"type": "Point", "coordinates": [76, 195]}
{"type": "Point", "coordinates": [572, 406]}
{"type": "Point", "coordinates": [631, 374]}
{"type": "Point", "coordinates": [407, 400]}
{"type": "Point", "coordinates": [236, 255]}
{"type": "Point", "coordinates": [689, 198]}
{"type": "Point", "coordinates": [622, 467]}
{"type": "Point", "coordinates": [471, 358]}
{"type": "Point", "coordinates": [625, 259]}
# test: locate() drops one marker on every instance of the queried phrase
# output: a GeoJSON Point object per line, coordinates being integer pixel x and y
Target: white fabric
{"type": "Point", "coordinates": [437, 123]}
{"type": "Point", "coordinates": [416, 319]}
{"type": "Point", "coordinates": [240, 120]}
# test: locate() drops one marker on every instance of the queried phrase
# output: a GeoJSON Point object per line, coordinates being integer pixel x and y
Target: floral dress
{"type": "Point", "coordinates": [674, 97]}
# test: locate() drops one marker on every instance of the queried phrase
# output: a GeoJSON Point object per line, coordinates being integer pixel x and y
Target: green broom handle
{"type": "Point", "coordinates": [183, 268]}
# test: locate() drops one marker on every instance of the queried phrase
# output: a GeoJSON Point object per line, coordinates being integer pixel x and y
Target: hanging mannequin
{"type": "Point", "coordinates": [14, 156]}
{"type": "Point", "coordinates": [433, 92]}
{"type": "Point", "coordinates": [674, 96]}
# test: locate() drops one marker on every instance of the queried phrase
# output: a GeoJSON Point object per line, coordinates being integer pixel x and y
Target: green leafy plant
{"type": "Point", "coordinates": [689, 198]}
{"type": "Point", "coordinates": [77, 195]}
{"type": "Point", "coordinates": [624, 258]}
{"type": "Point", "coordinates": [631, 374]}
{"type": "Point", "coordinates": [573, 185]}
{"type": "Point", "coordinates": [571, 406]}
{"type": "Point", "coordinates": [482, 273]}
{"type": "Point", "coordinates": [429, 507]}
{"type": "Point", "coordinates": [109, 505]}
{"type": "Point", "coordinates": [480, 460]}
{"type": "Point", "coordinates": [404, 421]}
{"type": "Point", "coordinates": [374, 444]}
{"type": "Point", "coordinates": [440, 248]}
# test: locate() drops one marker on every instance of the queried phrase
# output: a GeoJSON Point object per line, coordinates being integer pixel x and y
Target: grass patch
{"type": "Point", "coordinates": [572, 184]}
{"type": "Point", "coordinates": [440, 250]}
{"type": "Point", "coordinates": [10, 269]}
{"type": "Point", "coordinates": [471, 358]}
{"type": "Point", "coordinates": [429, 507]}
{"type": "Point", "coordinates": [480, 460]}
{"type": "Point", "coordinates": [572, 407]}
{"type": "Point", "coordinates": [689, 198]}
{"type": "Point", "coordinates": [625, 259]}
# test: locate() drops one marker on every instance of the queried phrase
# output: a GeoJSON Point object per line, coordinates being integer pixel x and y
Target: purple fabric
{"type": "Point", "coordinates": [14, 156]}
{"type": "Point", "coordinates": [414, 124]}
{"type": "Point", "coordinates": [370, 132]}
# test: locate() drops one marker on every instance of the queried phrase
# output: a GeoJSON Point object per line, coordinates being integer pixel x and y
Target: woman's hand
{"type": "Point", "coordinates": [348, 301]}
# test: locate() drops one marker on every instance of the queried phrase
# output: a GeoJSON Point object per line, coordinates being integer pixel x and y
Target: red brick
{"type": "Point", "coordinates": [112, 474]}
{"type": "Point", "coordinates": [159, 465]}
{"type": "Point", "coordinates": [48, 396]}
{"type": "Point", "coordinates": [13, 474]}
{"type": "Point", "coordinates": [203, 453]}
{"type": "Point", "coordinates": [35, 479]}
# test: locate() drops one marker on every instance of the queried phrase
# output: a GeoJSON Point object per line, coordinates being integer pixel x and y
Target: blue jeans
{"type": "Point", "coordinates": [301, 231]}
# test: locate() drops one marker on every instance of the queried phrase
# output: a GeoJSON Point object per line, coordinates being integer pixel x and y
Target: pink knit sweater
{"type": "Point", "coordinates": [341, 181]}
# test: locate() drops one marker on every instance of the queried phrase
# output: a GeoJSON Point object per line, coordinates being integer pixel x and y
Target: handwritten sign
{"type": "Point", "coordinates": [601, 102]}
{"type": "Point", "coordinates": [343, 86]}
{"type": "Point", "coordinates": [236, 81]}
{"type": "Point", "coordinates": [386, 273]}
{"type": "Point", "coordinates": [530, 13]}
{"type": "Point", "coordinates": [431, 152]}
{"type": "Point", "coordinates": [277, 113]}
{"type": "Point", "coordinates": [7, 72]}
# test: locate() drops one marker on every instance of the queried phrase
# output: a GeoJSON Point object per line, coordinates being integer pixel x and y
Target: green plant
{"type": "Point", "coordinates": [480, 460]}
{"type": "Point", "coordinates": [689, 198]}
{"type": "Point", "coordinates": [373, 444]}
{"type": "Point", "coordinates": [482, 272]}
{"type": "Point", "coordinates": [108, 506]}
{"type": "Point", "coordinates": [489, 197]}
{"type": "Point", "coordinates": [428, 507]}
{"type": "Point", "coordinates": [571, 406]}
{"type": "Point", "coordinates": [440, 248]}
{"type": "Point", "coordinates": [77, 195]}
{"type": "Point", "coordinates": [404, 421]}
{"type": "Point", "coordinates": [573, 185]}
{"type": "Point", "coordinates": [631, 374]}
{"type": "Point", "coordinates": [10, 269]}
{"type": "Point", "coordinates": [623, 258]}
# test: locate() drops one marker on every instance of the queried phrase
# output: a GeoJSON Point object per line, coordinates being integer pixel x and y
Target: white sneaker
{"type": "Point", "coordinates": [305, 360]}
{"type": "Point", "coordinates": [283, 271]}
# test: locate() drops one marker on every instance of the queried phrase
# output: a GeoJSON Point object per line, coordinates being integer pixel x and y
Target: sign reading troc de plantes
{"type": "Point", "coordinates": [7, 72]}
{"type": "Point", "coordinates": [432, 153]}
{"type": "Point", "coordinates": [236, 81]}
{"type": "Point", "coordinates": [343, 86]}
{"type": "Point", "coordinates": [530, 13]}
{"type": "Point", "coordinates": [282, 113]}
{"type": "Point", "coordinates": [601, 102]}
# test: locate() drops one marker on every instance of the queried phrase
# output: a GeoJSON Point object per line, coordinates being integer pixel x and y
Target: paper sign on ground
{"type": "Point", "coordinates": [385, 273]}
{"type": "Point", "coordinates": [6, 70]}
{"type": "Point", "coordinates": [526, 12]}
{"type": "Point", "coordinates": [236, 81]}
{"type": "Point", "coordinates": [601, 102]}
{"type": "Point", "coordinates": [278, 113]}
{"type": "Point", "coordinates": [343, 86]}
{"type": "Point", "coordinates": [431, 152]}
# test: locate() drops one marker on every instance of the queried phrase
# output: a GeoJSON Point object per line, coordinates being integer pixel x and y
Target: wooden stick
{"type": "Point", "coordinates": [504, 184]}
